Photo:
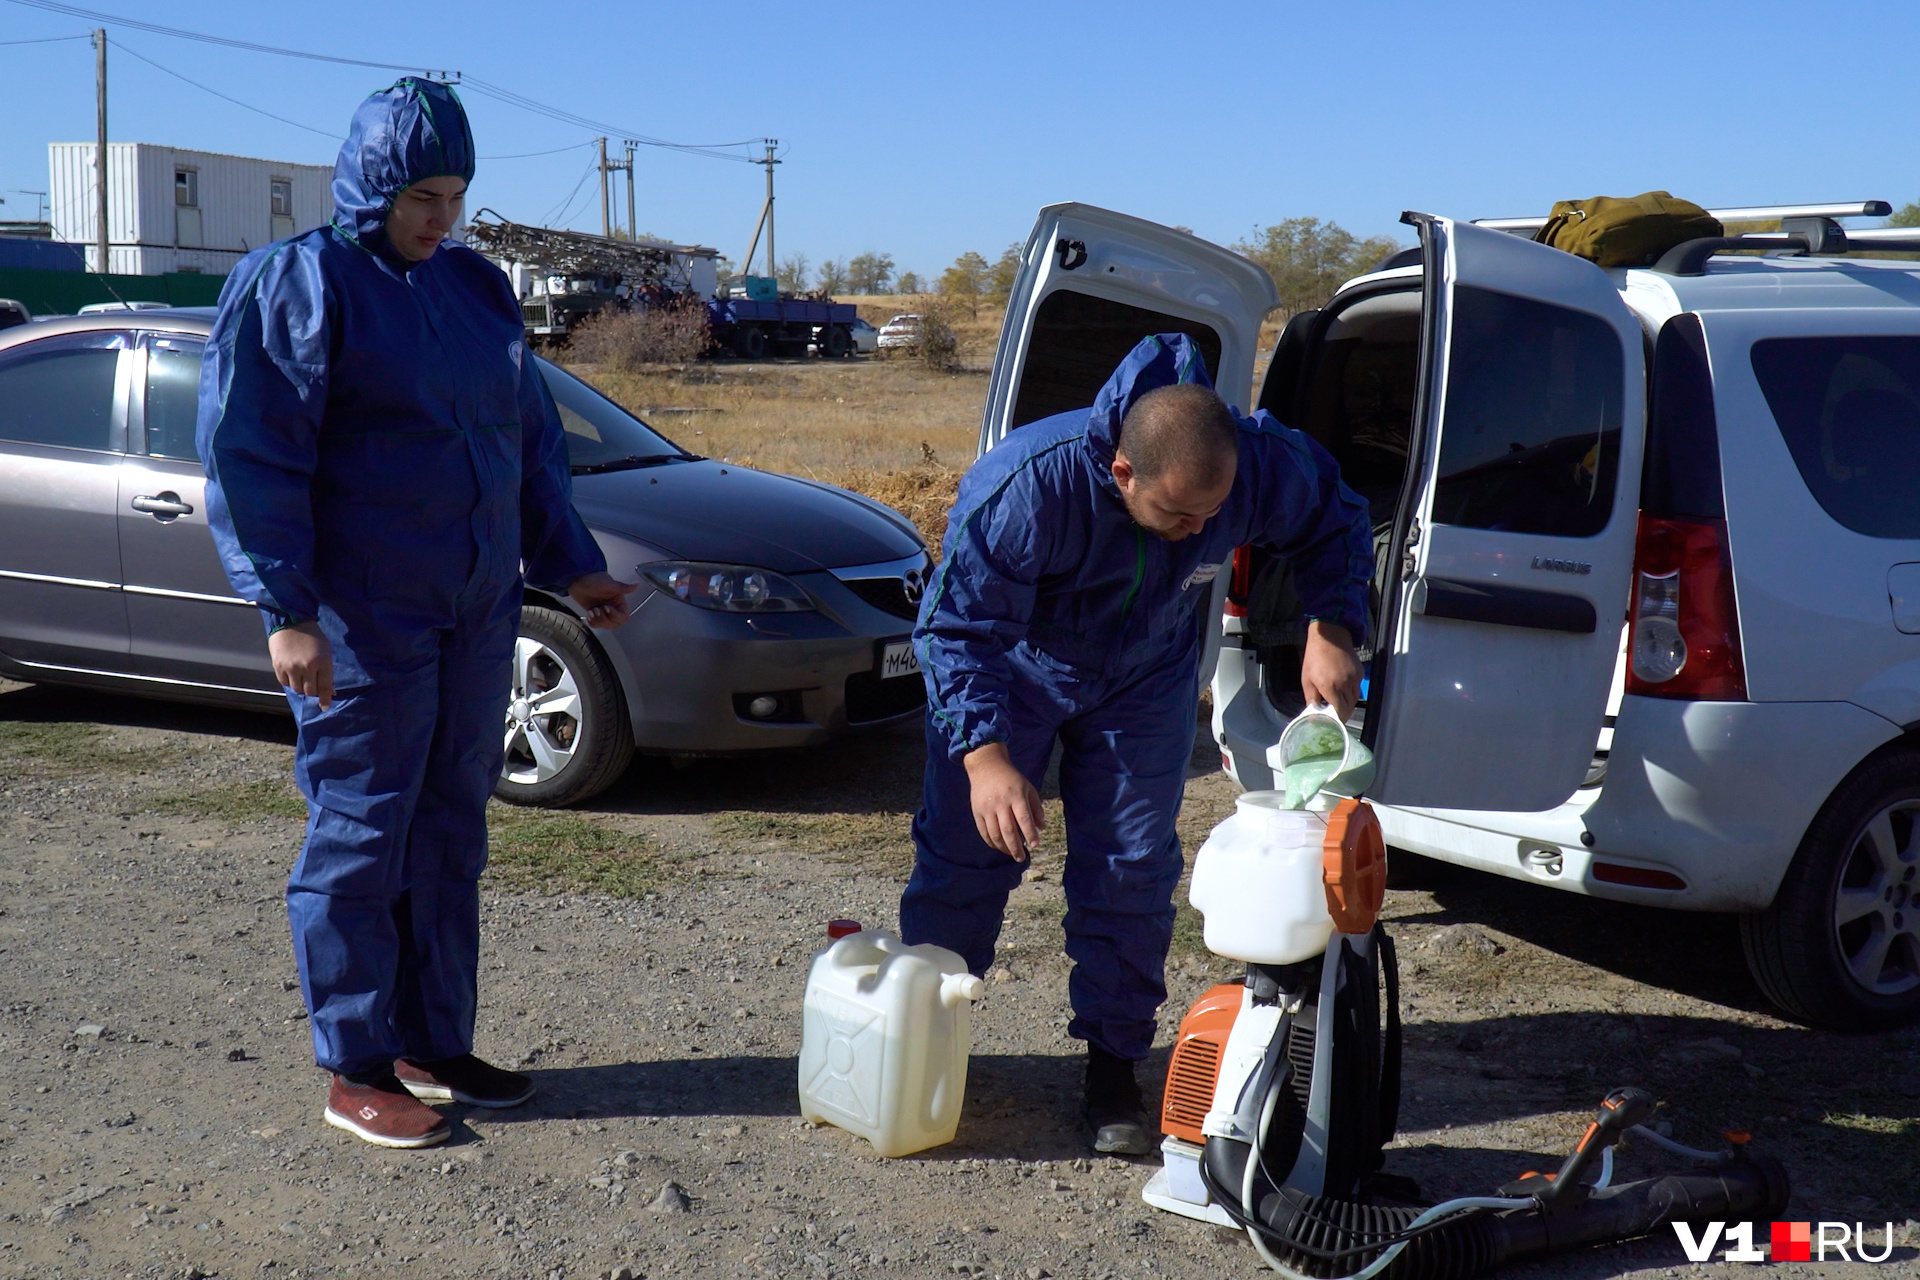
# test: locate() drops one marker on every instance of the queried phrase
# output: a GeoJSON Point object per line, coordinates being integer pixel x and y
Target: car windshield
{"type": "Point", "coordinates": [600, 434]}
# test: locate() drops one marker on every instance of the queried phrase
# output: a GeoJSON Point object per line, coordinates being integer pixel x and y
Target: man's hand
{"type": "Point", "coordinates": [604, 597]}
{"type": "Point", "coordinates": [1006, 807]}
{"type": "Point", "coordinates": [1329, 668]}
{"type": "Point", "coordinates": [303, 661]}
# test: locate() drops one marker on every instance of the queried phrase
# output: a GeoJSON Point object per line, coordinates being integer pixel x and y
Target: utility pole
{"type": "Point", "coordinates": [605, 228]}
{"type": "Point", "coordinates": [766, 216]}
{"type": "Point", "coordinates": [633, 227]}
{"type": "Point", "coordinates": [100, 148]}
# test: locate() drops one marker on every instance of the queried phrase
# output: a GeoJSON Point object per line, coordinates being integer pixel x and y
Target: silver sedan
{"type": "Point", "coordinates": [777, 613]}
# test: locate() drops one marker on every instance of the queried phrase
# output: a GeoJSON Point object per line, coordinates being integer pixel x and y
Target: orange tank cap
{"type": "Point", "coordinates": [1354, 866]}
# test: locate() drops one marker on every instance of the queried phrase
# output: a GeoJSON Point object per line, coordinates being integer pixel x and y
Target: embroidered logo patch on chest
{"type": "Point", "coordinates": [1204, 574]}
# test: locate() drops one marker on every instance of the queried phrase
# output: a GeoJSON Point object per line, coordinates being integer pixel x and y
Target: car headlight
{"type": "Point", "coordinates": [727, 588]}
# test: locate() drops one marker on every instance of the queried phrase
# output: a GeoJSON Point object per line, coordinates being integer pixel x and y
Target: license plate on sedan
{"type": "Point", "coordinates": [897, 659]}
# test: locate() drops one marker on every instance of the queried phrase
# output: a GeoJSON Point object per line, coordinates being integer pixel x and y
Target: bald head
{"type": "Point", "coordinates": [1184, 428]}
{"type": "Point", "coordinates": [1179, 448]}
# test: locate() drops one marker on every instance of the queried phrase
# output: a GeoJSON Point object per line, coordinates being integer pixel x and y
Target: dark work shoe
{"type": "Point", "coordinates": [384, 1114]}
{"type": "Point", "coordinates": [1116, 1113]}
{"type": "Point", "coordinates": [464, 1079]}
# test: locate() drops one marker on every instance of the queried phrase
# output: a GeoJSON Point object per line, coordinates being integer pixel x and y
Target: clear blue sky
{"type": "Point", "coordinates": [928, 130]}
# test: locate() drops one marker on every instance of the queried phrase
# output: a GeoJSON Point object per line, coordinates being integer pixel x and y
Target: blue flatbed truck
{"type": "Point", "coordinates": [753, 328]}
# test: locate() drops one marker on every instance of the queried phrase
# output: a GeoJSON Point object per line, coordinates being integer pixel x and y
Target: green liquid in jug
{"type": "Point", "coordinates": [1307, 775]}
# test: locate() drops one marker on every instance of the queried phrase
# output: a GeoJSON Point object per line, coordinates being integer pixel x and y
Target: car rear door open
{"type": "Point", "coordinates": [1092, 283]}
{"type": "Point", "coordinates": [1513, 542]}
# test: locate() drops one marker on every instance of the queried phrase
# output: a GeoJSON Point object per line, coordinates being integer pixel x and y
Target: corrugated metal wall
{"type": "Point", "coordinates": [235, 195]}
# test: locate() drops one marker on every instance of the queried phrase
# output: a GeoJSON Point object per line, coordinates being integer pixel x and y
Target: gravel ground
{"type": "Point", "coordinates": [160, 1113]}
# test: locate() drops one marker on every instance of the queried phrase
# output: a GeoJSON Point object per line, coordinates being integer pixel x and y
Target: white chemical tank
{"type": "Point", "coordinates": [886, 1030]}
{"type": "Point", "coordinates": [1260, 883]}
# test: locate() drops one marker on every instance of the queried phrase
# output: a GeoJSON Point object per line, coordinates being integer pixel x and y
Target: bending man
{"type": "Point", "coordinates": [1077, 557]}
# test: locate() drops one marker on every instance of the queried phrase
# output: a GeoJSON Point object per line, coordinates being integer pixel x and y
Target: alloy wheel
{"type": "Point", "coordinates": [1876, 902]}
{"type": "Point", "coordinates": [543, 714]}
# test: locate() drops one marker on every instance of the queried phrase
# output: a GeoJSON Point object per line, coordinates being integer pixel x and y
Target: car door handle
{"type": "Point", "coordinates": [1505, 606]}
{"type": "Point", "coordinates": [163, 506]}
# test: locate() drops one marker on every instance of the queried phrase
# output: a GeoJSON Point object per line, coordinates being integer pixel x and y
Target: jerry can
{"type": "Point", "coordinates": [886, 1030]}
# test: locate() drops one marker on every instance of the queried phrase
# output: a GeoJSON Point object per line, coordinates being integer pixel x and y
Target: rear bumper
{"type": "Point", "coordinates": [1716, 793]}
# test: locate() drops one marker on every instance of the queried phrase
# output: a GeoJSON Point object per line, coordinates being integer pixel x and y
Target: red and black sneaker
{"type": "Point", "coordinates": [385, 1114]}
{"type": "Point", "coordinates": [464, 1079]}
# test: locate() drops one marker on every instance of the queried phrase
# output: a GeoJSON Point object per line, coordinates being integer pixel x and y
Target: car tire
{"type": "Point", "coordinates": [1839, 947]}
{"type": "Point", "coordinates": [751, 343]}
{"type": "Point", "coordinates": [583, 743]}
{"type": "Point", "coordinates": [839, 342]}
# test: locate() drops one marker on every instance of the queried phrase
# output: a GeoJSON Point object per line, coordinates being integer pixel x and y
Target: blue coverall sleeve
{"type": "Point", "coordinates": [978, 609]}
{"type": "Point", "coordinates": [263, 392]}
{"type": "Point", "coordinates": [1305, 511]}
{"type": "Point", "coordinates": [554, 543]}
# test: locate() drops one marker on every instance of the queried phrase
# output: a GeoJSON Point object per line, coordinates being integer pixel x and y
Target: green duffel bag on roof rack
{"type": "Point", "coordinates": [1630, 231]}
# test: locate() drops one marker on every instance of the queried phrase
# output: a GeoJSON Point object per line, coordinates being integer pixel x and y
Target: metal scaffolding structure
{"type": "Point", "coordinates": [576, 253]}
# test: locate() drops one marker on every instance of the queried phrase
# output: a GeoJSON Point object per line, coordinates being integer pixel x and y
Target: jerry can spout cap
{"type": "Point", "coordinates": [956, 987]}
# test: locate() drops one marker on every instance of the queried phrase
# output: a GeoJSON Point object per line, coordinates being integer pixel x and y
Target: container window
{"type": "Point", "coordinates": [282, 198]}
{"type": "Point", "coordinates": [1531, 439]}
{"type": "Point", "coordinates": [1849, 409]}
{"type": "Point", "coordinates": [1077, 342]}
{"type": "Point", "coordinates": [186, 188]}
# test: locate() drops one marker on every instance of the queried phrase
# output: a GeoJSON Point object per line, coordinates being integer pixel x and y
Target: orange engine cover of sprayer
{"type": "Point", "coordinates": [1195, 1066]}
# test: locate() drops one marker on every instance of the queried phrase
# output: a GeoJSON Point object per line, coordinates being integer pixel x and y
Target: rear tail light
{"type": "Point", "coordinates": [1685, 637]}
{"type": "Point", "coordinates": [1240, 585]}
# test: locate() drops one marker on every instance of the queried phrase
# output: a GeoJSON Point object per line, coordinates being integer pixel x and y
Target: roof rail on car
{"type": "Point", "coordinates": [1757, 213]}
{"type": "Point", "coordinates": [1804, 229]}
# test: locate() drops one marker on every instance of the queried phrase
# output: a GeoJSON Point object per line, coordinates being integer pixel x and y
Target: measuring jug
{"type": "Point", "coordinates": [885, 1033]}
{"type": "Point", "coordinates": [1315, 749]}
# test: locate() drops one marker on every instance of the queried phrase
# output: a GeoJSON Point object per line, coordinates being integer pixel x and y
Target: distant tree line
{"type": "Point", "coordinates": [1307, 258]}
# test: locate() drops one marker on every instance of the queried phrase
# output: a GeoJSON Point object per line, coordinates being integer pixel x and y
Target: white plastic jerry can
{"type": "Point", "coordinates": [886, 1030]}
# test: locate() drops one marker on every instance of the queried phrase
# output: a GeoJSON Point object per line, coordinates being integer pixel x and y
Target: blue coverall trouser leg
{"type": "Point", "coordinates": [384, 901]}
{"type": "Point", "coordinates": [1125, 743]}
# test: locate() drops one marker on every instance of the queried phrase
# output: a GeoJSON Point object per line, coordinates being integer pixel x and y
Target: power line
{"type": "Point", "coordinates": [223, 97]}
{"type": "Point", "coordinates": [500, 93]}
{"type": "Point", "coordinates": [522, 155]}
{"type": "Point", "coordinates": [94, 15]}
{"type": "Point", "coordinates": [46, 40]}
{"type": "Point", "coordinates": [565, 206]}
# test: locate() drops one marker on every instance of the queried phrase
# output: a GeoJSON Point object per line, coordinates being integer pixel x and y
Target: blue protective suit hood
{"type": "Point", "coordinates": [412, 131]}
{"type": "Point", "coordinates": [1158, 361]}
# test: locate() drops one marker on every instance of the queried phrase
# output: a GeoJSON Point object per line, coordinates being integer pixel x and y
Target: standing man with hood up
{"type": "Point", "coordinates": [382, 458]}
{"type": "Point", "coordinates": [1077, 559]}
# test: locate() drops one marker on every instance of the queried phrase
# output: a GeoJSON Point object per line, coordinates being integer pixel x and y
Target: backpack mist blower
{"type": "Point", "coordinates": [1285, 1086]}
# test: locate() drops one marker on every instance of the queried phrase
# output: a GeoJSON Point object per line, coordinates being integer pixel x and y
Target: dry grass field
{"type": "Point", "coordinates": [884, 426]}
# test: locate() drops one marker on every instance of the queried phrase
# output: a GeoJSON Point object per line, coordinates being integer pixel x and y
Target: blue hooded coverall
{"type": "Point", "coordinates": [381, 455]}
{"type": "Point", "coordinates": [1054, 615]}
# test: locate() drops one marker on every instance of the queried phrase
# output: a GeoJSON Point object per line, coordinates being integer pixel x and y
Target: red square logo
{"type": "Point", "coordinates": [1793, 1242]}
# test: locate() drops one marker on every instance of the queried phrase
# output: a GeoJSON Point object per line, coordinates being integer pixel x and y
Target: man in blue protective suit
{"type": "Point", "coordinates": [1077, 557]}
{"type": "Point", "coordinates": [382, 457]}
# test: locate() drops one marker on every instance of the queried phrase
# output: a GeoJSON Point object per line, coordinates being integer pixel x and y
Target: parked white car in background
{"type": "Point", "coordinates": [1721, 456]}
{"type": "Point", "coordinates": [866, 338]}
{"type": "Point", "coordinates": [902, 333]}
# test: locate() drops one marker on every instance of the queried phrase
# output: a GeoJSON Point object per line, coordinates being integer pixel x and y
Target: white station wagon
{"type": "Point", "coordinates": [1647, 556]}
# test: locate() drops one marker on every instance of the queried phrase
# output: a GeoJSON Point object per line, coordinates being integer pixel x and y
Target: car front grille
{"type": "Point", "coordinates": [870, 698]}
{"type": "Point", "coordinates": [886, 594]}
